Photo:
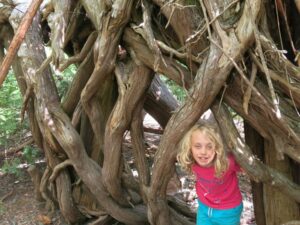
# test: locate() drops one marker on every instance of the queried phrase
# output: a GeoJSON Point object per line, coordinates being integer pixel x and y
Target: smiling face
{"type": "Point", "coordinates": [202, 148]}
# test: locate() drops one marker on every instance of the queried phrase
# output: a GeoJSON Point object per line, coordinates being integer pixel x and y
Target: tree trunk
{"type": "Point", "coordinates": [276, 202]}
{"type": "Point", "coordinates": [256, 143]}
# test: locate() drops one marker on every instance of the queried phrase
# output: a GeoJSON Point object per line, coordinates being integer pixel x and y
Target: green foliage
{"type": "Point", "coordinates": [11, 103]}
{"type": "Point", "coordinates": [10, 107]}
{"type": "Point", "coordinates": [175, 89]}
{"type": "Point", "coordinates": [30, 154]}
{"type": "Point", "coordinates": [192, 2]}
{"type": "Point", "coordinates": [12, 167]}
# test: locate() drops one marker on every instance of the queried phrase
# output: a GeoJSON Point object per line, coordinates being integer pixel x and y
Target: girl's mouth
{"type": "Point", "coordinates": [203, 158]}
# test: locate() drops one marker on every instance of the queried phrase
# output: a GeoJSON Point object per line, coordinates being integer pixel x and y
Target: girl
{"type": "Point", "coordinates": [219, 196]}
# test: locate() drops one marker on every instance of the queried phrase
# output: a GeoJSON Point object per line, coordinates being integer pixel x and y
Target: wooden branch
{"type": "Point", "coordinates": [83, 53]}
{"type": "Point", "coordinates": [172, 51]}
{"type": "Point", "coordinates": [149, 35]}
{"type": "Point", "coordinates": [119, 73]}
{"type": "Point", "coordinates": [16, 149]}
{"type": "Point", "coordinates": [6, 195]}
{"type": "Point", "coordinates": [274, 75]}
{"type": "Point", "coordinates": [203, 29]}
{"type": "Point", "coordinates": [27, 97]}
{"type": "Point", "coordinates": [206, 18]}
{"type": "Point", "coordinates": [240, 71]}
{"type": "Point", "coordinates": [58, 168]}
{"type": "Point", "coordinates": [181, 19]}
{"type": "Point", "coordinates": [88, 212]}
{"type": "Point", "coordinates": [160, 102]}
{"type": "Point", "coordinates": [282, 11]}
{"type": "Point", "coordinates": [44, 191]}
{"type": "Point", "coordinates": [70, 140]}
{"type": "Point", "coordinates": [290, 88]}
{"type": "Point", "coordinates": [248, 92]}
{"type": "Point", "coordinates": [81, 77]}
{"type": "Point", "coordinates": [290, 70]}
{"type": "Point", "coordinates": [153, 130]}
{"type": "Point", "coordinates": [293, 222]}
{"type": "Point", "coordinates": [44, 65]}
{"type": "Point", "coordinates": [29, 91]}
{"type": "Point", "coordinates": [297, 2]}
{"type": "Point", "coordinates": [36, 177]}
{"type": "Point", "coordinates": [120, 118]}
{"type": "Point", "coordinates": [102, 220]}
{"type": "Point", "coordinates": [281, 131]}
{"type": "Point", "coordinates": [106, 52]}
{"type": "Point", "coordinates": [266, 69]}
{"type": "Point", "coordinates": [60, 19]}
{"type": "Point", "coordinates": [18, 38]}
{"type": "Point", "coordinates": [142, 52]}
{"type": "Point", "coordinates": [138, 149]}
{"type": "Point", "coordinates": [181, 206]}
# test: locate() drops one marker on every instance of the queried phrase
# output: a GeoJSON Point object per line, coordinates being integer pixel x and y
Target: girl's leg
{"type": "Point", "coordinates": [227, 216]}
{"type": "Point", "coordinates": [203, 215]}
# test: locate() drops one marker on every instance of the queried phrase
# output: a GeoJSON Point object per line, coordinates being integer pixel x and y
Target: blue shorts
{"type": "Point", "coordinates": [211, 216]}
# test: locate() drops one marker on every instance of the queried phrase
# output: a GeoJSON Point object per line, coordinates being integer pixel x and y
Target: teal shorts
{"type": "Point", "coordinates": [211, 216]}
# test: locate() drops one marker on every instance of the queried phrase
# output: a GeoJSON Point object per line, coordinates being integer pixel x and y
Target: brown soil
{"type": "Point", "coordinates": [18, 205]}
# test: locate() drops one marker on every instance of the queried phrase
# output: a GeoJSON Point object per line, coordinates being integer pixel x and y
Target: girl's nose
{"type": "Point", "coordinates": [202, 151]}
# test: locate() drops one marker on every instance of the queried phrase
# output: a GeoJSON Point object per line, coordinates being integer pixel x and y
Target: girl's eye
{"type": "Point", "coordinates": [209, 147]}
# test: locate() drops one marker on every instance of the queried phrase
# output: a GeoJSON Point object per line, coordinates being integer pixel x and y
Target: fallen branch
{"type": "Point", "coordinates": [18, 38]}
{"type": "Point", "coordinates": [14, 150]}
{"type": "Point", "coordinates": [153, 130]}
{"type": "Point", "coordinates": [7, 195]}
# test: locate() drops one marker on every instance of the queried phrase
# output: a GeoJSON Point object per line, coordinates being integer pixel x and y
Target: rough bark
{"type": "Point", "coordinates": [160, 103]}
{"type": "Point", "coordinates": [256, 144]}
{"type": "Point", "coordinates": [275, 201]}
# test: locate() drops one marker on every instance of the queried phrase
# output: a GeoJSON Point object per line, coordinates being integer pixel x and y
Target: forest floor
{"type": "Point", "coordinates": [18, 205]}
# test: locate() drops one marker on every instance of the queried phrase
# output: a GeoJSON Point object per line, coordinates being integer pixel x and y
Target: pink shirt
{"type": "Point", "coordinates": [218, 193]}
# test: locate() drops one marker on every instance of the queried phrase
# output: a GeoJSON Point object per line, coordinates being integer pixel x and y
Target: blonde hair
{"type": "Point", "coordinates": [185, 157]}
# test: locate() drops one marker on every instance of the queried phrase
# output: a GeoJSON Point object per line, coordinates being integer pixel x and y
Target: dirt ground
{"type": "Point", "coordinates": [18, 205]}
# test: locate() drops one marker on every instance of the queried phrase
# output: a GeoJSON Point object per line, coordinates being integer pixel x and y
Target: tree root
{"type": "Point", "coordinates": [36, 177]}
{"type": "Point", "coordinates": [58, 168]}
{"type": "Point", "coordinates": [50, 205]}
